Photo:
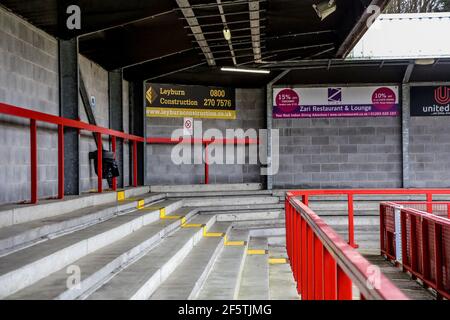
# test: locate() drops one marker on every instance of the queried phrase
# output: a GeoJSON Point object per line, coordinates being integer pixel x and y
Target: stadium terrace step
{"type": "Point", "coordinates": [15, 214]}
{"type": "Point", "coordinates": [139, 280]}
{"type": "Point", "coordinates": [25, 267]}
{"type": "Point", "coordinates": [223, 281]}
{"type": "Point", "coordinates": [19, 235]}
{"type": "Point", "coordinates": [189, 277]}
{"type": "Point", "coordinates": [230, 201]}
{"type": "Point", "coordinates": [250, 215]}
{"type": "Point", "coordinates": [282, 285]}
{"type": "Point", "coordinates": [101, 264]}
{"type": "Point", "coordinates": [254, 283]}
{"type": "Point", "coordinates": [208, 187]}
{"type": "Point", "coordinates": [216, 209]}
{"type": "Point", "coordinates": [219, 193]}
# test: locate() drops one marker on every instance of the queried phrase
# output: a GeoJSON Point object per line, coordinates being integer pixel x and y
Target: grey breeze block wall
{"type": "Point", "coordinates": [339, 153]}
{"type": "Point", "coordinates": [250, 106]}
{"type": "Point", "coordinates": [28, 79]}
{"type": "Point", "coordinates": [429, 152]}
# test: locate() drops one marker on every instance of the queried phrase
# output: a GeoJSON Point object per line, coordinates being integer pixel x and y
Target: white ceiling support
{"type": "Point", "coordinates": [189, 15]}
{"type": "Point", "coordinates": [255, 29]}
{"type": "Point", "coordinates": [225, 25]}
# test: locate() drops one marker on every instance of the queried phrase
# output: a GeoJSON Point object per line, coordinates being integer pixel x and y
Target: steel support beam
{"type": "Point", "coordinates": [269, 123]}
{"type": "Point", "coordinates": [115, 91]}
{"type": "Point", "coordinates": [256, 34]}
{"type": "Point", "coordinates": [137, 127]}
{"type": "Point", "coordinates": [406, 120]}
{"type": "Point", "coordinates": [68, 102]}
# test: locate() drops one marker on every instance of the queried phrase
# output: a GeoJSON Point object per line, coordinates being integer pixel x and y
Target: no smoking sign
{"type": "Point", "coordinates": [188, 126]}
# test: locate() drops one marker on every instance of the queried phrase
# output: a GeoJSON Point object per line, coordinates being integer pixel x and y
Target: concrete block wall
{"type": "Point", "coordinates": [96, 82]}
{"type": "Point", "coordinates": [250, 105]}
{"type": "Point", "coordinates": [126, 128]}
{"type": "Point", "coordinates": [339, 153]}
{"type": "Point", "coordinates": [29, 79]}
{"type": "Point", "coordinates": [429, 152]}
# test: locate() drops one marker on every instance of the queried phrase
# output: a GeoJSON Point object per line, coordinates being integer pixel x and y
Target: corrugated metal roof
{"type": "Point", "coordinates": [399, 36]}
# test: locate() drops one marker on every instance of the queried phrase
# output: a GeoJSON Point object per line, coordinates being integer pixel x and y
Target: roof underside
{"type": "Point", "coordinates": [182, 40]}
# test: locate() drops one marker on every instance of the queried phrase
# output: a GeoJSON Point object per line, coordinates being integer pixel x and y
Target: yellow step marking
{"type": "Point", "coordinates": [171, 217]}
{"type": "Point", "coordinates": [278, 261]}
{"type": "Point", "coordinates": [140, 204]}
{"type": "Point", "coordinates": [120, 195]}
{"type": "Point", "coordinates": [256, 252]}
{"type": "Point", "coordinates": [233, 243]}
{"type": "Point", "coordinates": [192, 225]}
{"type": "Point", "coordinates": [162, 213]}
{"type": "Point", "coordinates": [212, 234]}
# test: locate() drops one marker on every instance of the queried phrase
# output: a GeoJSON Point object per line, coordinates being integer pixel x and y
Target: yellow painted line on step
{"type": "Point", "coordinates": [278, 261]}
{"type": "Point", "coordinates": [140, 204]}
{"type": "Point", "coordinates": [212, 234]}
{"type": "Point", "coordinates": [162, 213]}
{"type": "Point", "coordinates": [252, 252]}
{"type": "Point", "coordinates": [120, 195]}
{"type": "Point", "coordinates": [234, 243]}
{"type": "Point", "coordinates": [192, 225]}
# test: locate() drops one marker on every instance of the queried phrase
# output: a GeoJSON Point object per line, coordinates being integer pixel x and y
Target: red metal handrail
{"type": "Point", "coordinates": [350, 193]}
{"type": "Point", "coordinates": [324, 265]}
{"type": "Point", "coordinates": [425, 245]}
{"type": "Point", "coordinates": [35, 116]}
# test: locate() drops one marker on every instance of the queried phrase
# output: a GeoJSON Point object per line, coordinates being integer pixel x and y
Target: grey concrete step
{"type": "Point", "coordinates": [25, 267]}
{"type": "Point", "coordinates": [208, 187]}
{"type": "Point", "coordinates": [250, 215]}
{"type": "Point", "coordinates": [140, 280]}
{"type": "Point", "coordinates": [282, 285]}
{"type": "Point", "coordinates": [254, 283]}
{"type": "Point", "coordinates": [189, 277]}
{"type": "Point", "coordinates": [223, 281]}
{"type": "Point", "coordinates": [21, 213]}
{"type": "Point", "coordinates": [229, 208]}
{"type": "Point", "coordinates": [230, 201]}
{"type": "Point", "coordinates": [15, 236]}
{"type": "Point", "coordinates": [219, 193]}
{"type": "Point", "coordinates": [99, 265]}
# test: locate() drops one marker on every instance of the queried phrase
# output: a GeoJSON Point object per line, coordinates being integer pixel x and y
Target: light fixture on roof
{"type": "Point", "coordinates": [227, 34]}
{"type": "Point", "coordinates": [325, 8]}
{"type": "Point", "coordinates": [229, 69]}
{"type": "Point", "coordinates": [424, 62]}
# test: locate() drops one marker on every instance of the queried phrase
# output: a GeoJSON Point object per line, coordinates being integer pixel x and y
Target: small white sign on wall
{"type": "Point", "coordinates": [188, 127]}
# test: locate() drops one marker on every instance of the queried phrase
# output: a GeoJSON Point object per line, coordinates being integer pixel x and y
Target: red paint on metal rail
{"type": "Point", "coordinates": [327, 265]}
{"type": "Point", "coordinates": [425, 243]}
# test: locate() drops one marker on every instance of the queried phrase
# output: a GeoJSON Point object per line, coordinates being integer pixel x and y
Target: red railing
{"type": "Point", "coordinates": [351, 193]}
{"type": "Point", "coordinates": [324, 265]}
{"type": "Point", "coordinates": [35, 116]}
{"type": "Point", "coordinates": [424, 244]}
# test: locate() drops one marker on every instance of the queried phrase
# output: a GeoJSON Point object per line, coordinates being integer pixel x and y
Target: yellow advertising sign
{"type": "Point", "coordinates": [176, 101]}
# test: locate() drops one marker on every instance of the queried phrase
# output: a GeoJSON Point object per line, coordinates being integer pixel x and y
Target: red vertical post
{"type": "Point", "coordinates": [60, 161]}
{"type": "Point", "coordinates": [344, 285]}
{"type": "Point", "coordinates": [448, 211]}
{"type": "Point", "coordinates": [99, 162]}
{"type": "Point", "coordinates": [34, 161]}
{"type": "Point", "coordinates": [206, 164]}
{"type": "Point", "coordinates": [351, 225]}
{"type": "Point", "coordinates": [426, 262]}
{"type": "Point", "coordinates": [382, 228]}
{"type": "Point", "coordinates": [438, 257]}
{"type": "Point", "coordinates": [330, 275]}
{"type": "Point", "coordinates": [413, 243]}
{"type": "Point", "coordinates": [405, 260]}
{"type": "Point", "coordinates": [318, 269]}
{"type": "Point", "coordinates": [135, 164]}
{"type": "Point", "coordinates": [430, 202]}
{"type": "Point", "coordinates": [305, 199]}
{"type": "Point", "coordinates": [303, 259]}
{"type": "Point", "coordinates": [310, 263]}
{"type": "Point", "coordinates": [114, 147]}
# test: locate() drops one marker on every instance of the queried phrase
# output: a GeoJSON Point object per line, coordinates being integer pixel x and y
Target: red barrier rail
{"type": "Point", "coordinates": [324, 265]}
{"type": "Point", "coordinates": [350, 193]}
{"type": "Point", "coordinates": [425, 245]}
{"type": "Point", "coordinates": [36, 116]}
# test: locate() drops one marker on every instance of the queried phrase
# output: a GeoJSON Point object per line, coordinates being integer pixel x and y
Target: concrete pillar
{"type": "Point", "coordinates": [116, 116]}
{"type": "Point", "coordinates": [68, 102]}
{"type": "Point", "coordinates": [405, 133]}
{"type": "Point", "coordinates": [137, 127]}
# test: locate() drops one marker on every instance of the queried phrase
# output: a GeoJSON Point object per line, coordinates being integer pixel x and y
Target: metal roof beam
{"type": "Point", "coordinates": [196, 30]}
{"type": "Point", "coordinates": [255, 23]}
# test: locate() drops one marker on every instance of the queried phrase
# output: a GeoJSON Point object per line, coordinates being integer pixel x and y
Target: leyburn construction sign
{"type": "Point", "coordinates": [178, 101]}
{"type": "Point", "coordinates": [430, 101]}
{"type": "Point", "coordinates": [336, 102]}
